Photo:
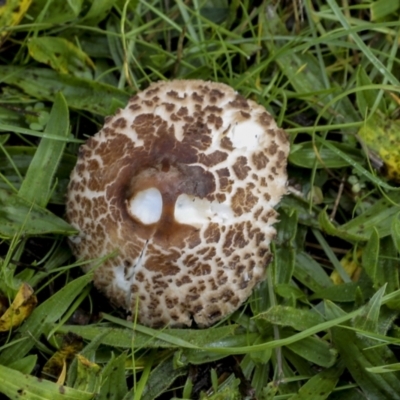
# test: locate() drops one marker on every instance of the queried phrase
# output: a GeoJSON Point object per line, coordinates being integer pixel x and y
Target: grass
{"type": "Point", "coordinates": [324, 325]}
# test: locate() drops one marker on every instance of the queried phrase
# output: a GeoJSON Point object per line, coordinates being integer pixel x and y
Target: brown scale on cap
{"type": "Point", "coordinates": [182, 182]}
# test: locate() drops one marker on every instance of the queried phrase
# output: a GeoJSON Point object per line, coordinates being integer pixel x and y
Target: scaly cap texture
{"type": "Point", "coordinates": [182, 182]}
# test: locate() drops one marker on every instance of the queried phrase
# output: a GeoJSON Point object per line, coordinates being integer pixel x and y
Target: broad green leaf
{"type": "Point", "coordinates": [285, 253]}
{"type": "Point", "coordinates": [288, 291]}
{"type": "Point", "coordinates": [320, 386]}
{"type": "Point", "coordinates": [17, 385]}
{"type": "Point", "coordinates": [200, 356]}
{"type": "Point", "coordinates": [260, 383]}
{"type": "Point", "coordinates": [160, 379]}
{"type": "Point", "coordinates": [15, 165]}
{"type": "Point", "coordinates": [88, 352]}
{"type": "Point", "coordinates": [315, 350]}
{"type": "Point", "coordinates": [382, 8]}
{"type": "Point", "coordinates": [345, 292]}
{"type": "Point", "coordinates": [379, 217]}
{"type": "Point", "coordinates": [331, 256]}
{"type": "Point", "coordinates": [114, 386]}
{"type": "Point", "coordinates": [369, 318]}
{"type": "Point", "coordinates": [55, 12]}
{"type": "Point", "coordinates": [365, 98]}
{"type": "Point", "coordinates": [98, 10]}
{"type": "Point", "coordinates": [310, 273]}
{"type": "Point", "coordinates": [18, 215]}
{"type": "Point", "coordinates": [62, 55]}
{"type": "Point", "coordinates": [370, 258]}
{"type": "Point", "coordinates": [227, 390]}
{"type": "Point", "coordinates": [358, 358]}
{"type": "Point", "coordinates": [308, 155]}
{"type": "Point", "coordinates": [289, 316]}
{"type": "Point", "coordinates": [37, 184]}
{"type": "Point", "coordinates": [388, 266]}
{"type": "Point", "coordinates": [81, 94]}
{"type": "Point", "coordinates": [25, 365]}
{"type": "Point", "coordinates": [306, 216]}
{"type": "Point", "coordinates": [395, 232]}
{"type": "Point", "coordinates": [75, 5]}
{"type": "Point", "coordinates": [49, 311]}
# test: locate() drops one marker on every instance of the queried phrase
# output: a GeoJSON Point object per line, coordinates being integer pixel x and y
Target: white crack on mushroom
{"type": "Point", "coordinates": [183, 183]}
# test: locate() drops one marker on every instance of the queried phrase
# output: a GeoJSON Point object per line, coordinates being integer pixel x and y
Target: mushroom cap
{"type": "Point", "coordinates": [182, 182]}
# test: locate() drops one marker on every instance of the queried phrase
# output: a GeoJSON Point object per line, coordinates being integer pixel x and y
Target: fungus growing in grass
{"type": "Point", "coordinates": [182, 182]}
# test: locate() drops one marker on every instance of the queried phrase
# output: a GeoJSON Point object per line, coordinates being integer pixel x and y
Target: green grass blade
{"type": "Point", "coordinates": [18, 214]}
{"type": "Point", "coordinates": [81, 94]}
{"type": "Point", "coordinates": [361, 45]}
{"type": "Point", "coordinates": [17, 385]}
{"type": "Point", "coordinates": [36, 187]}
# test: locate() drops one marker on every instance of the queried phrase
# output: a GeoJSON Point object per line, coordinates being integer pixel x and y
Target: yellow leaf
{"type": "Point", "coordinates": [88, 375]}
{"type": "Point", "coordinates": [62, 55]}
{"type": "Point", "coordinates": [20, 309]}
{"type": "Point", "coordinates": [56, 366]}
{"type": "Point", "coordinates": [351, 264]}
{"type": "Point", "coordinates": [63, 374]}
{"type": "Point", "coordinates": [382, 135]}
{"type": "Point", "coordinates": [11, 13]}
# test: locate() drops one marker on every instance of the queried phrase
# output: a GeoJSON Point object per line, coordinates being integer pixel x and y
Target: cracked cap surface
{"type": "Point", "coordinates": [182, 182]}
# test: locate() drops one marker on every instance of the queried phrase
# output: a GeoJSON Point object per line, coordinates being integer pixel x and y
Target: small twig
{"type": "Point", "coordinates": [19, 110]}
{"type": "Point", "coordinates": [179, 50]}
{"type": "Point", "coordinates": [338, 197]}
{"type": "Point", "coordinates": [318, 247]}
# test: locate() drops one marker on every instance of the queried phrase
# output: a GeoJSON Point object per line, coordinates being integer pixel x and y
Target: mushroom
{"type": "Point", "coordinates": [183, 183]}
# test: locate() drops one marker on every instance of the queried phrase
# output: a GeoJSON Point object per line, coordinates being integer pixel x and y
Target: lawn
{"type": "Point", "coordinates": [324, 324]}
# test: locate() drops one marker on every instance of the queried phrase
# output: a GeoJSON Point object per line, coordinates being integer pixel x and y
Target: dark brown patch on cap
{"type": "Point", "coordinates": [215, 120]}
{"type": "Point", "coordinates": [239, 102]}
{"type": "Point", "coordinates": [241, 168]}
{"type": "Point", "coordinates": [265, 119]}
{"type": "Point", "coordinates": [212, 234]}
{"type": "Point", "coordinates": [226, 143]}
{"type": "Point", "coordinates": [212, 159]}
{"type": "Point", "coordinates": [273, 148]}
{"type": "Point", "coordinates": [225, 184]}
{"type": "Point", "coordinates": [135, 107]}
{"type": "Point", "coordinates": [169, 106]}
{"type": "Point", "coordinates": [196, 97]}
{"type": "Point", "coordinates": [119, 123]}
{"type": "Point", "coordinates": [260, 160]}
